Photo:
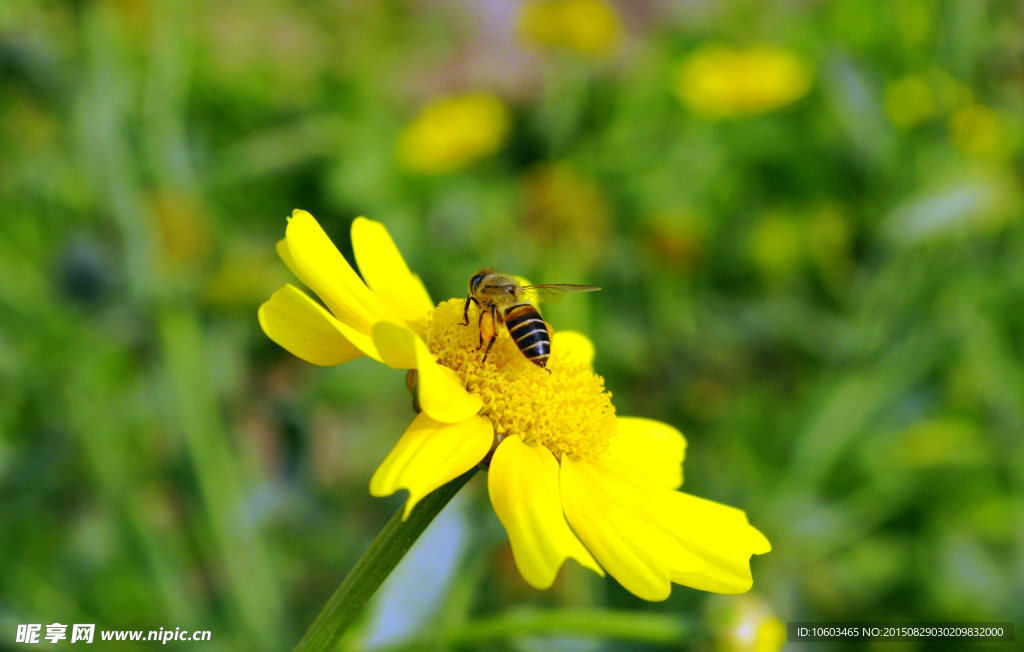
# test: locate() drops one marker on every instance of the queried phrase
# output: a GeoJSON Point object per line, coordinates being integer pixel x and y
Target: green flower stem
{"type": "Point", "coordinates": [374, 567]}
{"type": "Point", "coordinates": [592, 623]}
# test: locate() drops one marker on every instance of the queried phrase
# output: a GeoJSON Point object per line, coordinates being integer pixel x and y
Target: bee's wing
{"type": "Point", "coordinates": [555, 292]}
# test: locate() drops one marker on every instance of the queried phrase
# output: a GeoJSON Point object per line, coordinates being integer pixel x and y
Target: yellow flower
{"type": "Point", "coordinates": [721, 82]}
{"type": "Point", "coordinates": [746, 624]}
{"type": "Point", "coordinates": [975, 129]}
{"type": "Point", "coordinates": [452, 132]}
{"type": "Point", "coordinates": [567, 476]}
{"type": "Point", "coordinates": [590, 27]}
{"type": "Point", "coordinates": [565, 211]}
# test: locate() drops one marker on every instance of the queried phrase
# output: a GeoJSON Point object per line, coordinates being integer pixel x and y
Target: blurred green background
{"type": "Point", "coordinates": [806, 218]}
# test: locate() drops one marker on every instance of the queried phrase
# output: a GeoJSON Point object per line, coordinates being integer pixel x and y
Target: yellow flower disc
{"type": "Point", "coordinates": [568, 411]}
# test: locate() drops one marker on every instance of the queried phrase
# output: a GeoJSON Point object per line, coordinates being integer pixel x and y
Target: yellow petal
{"type": "Point", "coordinates": [286, 255]}
{"type": "Point", "coordinates": [431, 453]}
{"type": "Point", "coordinates": [396, 344]}
{"type": "Point", "coordinates": [305, 329]}
{"type": "Point", "coordinates": [700, 543]}
{"type": "Point", "coordinates": [441, 392]}
{"type": "Point", "coordinates": [576, 344]}
{"type": "Point", "coordinates": [717, 533]}
{"type": "Point", "coordinates": [624, 543]}
{"type": "Point", "coordinates": [385, 271]}
{"type": "Point", "coordinates": [319, 264]}
{"type": "Point", "coordinates": [652, 449]}
{"type": "Point", "coordinates": [523, 484]}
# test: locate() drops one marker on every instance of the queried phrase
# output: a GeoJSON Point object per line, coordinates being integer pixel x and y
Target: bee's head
{"type": "Point", "coordinates": [477, 279]}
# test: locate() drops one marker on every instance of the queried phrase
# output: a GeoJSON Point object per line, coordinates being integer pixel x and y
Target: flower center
{"type": "Point", "coordinates": [568, 410]}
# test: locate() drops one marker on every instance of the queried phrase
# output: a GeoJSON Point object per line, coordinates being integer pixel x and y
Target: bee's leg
{"type": "Point", "coordinates": [465, 310]}
{"type": "Point", "coordinates": [480, 329]}
{"type": "Point", "coordinates": [489, 345]}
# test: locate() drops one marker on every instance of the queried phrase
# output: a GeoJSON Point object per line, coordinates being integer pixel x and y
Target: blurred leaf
{"type": "Point", "coordinates": [977, 202]}
{"type": "Point", "coordinates": [858, 110]}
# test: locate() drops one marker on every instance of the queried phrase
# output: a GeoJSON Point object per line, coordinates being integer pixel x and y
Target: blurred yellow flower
{"type": "Point", "coordinates": [722, 82]}
{"type": "Point", "coordinates": [452, 132]}
{"type": "Point", "coordinates": [909, 101]}
{"type": "Point", "coordinates": [567, 476]}
{"type": "Point", "coordinates": [566, 211]}
{"type": "Point", "coordinates": [746, 624]}
{"type": "Point", "coordinates": [976, 129]}
{"type": "Point", "coordinates": [590, 27]}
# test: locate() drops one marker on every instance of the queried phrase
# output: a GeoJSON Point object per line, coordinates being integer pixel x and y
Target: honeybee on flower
{"type": "Point", "coordinates": [567, 477]}
{"type": "Point", "coordinates": [504, 300]}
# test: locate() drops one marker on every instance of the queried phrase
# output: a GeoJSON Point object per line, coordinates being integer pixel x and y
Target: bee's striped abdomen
{"type": "Point", "coordinates": [529, 332]}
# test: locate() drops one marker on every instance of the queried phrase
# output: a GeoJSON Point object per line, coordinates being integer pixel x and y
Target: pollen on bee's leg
{"type": "Point", "coordinates": [565, 407]}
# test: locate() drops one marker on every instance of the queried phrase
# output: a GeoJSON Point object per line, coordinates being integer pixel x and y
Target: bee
{"type": "Point", "coordinates": [503, 300]}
